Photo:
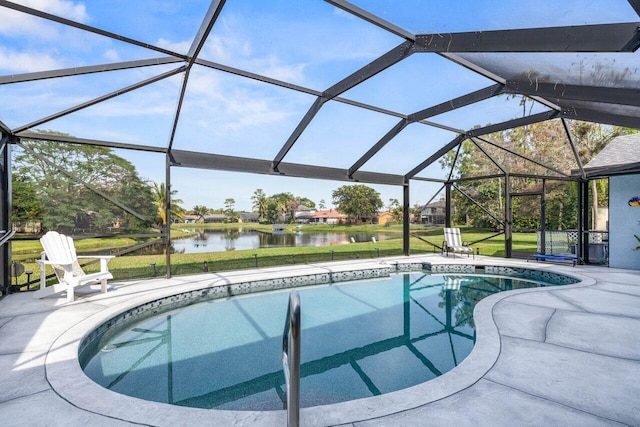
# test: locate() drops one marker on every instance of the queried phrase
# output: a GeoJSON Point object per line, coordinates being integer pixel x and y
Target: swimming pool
{"type": "Point", "coordinates": [360, 339]}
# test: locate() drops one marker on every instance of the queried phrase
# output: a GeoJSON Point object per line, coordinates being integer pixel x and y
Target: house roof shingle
{"type": "Point", "coordinates": [621, 155]}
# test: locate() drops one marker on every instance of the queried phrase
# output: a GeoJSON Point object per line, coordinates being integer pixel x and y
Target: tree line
{"type": "Point", "coordinates": [539, 149]}
{"type": "Point", "coordinates": [75, 188]}
{"type": "Point", "coordinates": [82, 188]}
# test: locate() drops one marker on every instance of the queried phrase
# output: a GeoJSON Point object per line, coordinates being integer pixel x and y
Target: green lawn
{"type": "Point", "coordinates": [140, 266]}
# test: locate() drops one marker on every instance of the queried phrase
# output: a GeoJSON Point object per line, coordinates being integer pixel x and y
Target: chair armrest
{"type": "Point", "coordinates": [43, 262]}
{"type": "Point", "coordinates": [104, 260]}
{"type": "Point", "coordinates": [43, 275]}
{"type": "Point", "coordinates": [96, 256]}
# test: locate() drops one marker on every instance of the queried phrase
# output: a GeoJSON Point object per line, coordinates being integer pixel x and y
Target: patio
{"type": "Point", "coordinates": [546, 356]}
{"type": "Point", "coordinates": [331, 91]}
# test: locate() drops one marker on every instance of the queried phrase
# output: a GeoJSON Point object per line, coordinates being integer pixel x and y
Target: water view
{"type": "Point", "coordinates": [245, 238]}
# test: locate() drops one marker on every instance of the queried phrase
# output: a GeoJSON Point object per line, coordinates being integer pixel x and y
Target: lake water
{"type": "Point", "coordinates": [244, 238]}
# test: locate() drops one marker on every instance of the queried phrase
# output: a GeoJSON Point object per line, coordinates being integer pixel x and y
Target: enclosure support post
{"type": "Point", "coordinates": [5, 209]}
{"type": "Point", "coordinates": [406, 292]}
{"type": "Point", "coordinates": [447, 209]}
{"type": "Point", "coordinates": [543, 216]}
{"type": "Point", "coordinates": [508, 217]}
{"type": "Point", "coordinates": [583, 220]}
{"type": "Point", "coordinates": [405, 218]}
{"type": "Point", "coordinates": [167, 214]}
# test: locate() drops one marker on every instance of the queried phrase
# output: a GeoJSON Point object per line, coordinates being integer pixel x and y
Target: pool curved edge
{"type": "Point", "coordinates": [67, 379]}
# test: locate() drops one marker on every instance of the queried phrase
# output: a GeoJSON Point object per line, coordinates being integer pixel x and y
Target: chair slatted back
{"type": "Point", "coordinates": [60, 251]}
{"type": "Point", "coordinates": [452, 237]}
{"type": "Point", "coordinates": [58, 248]}
{"type": "Point", "coordinates": [452, 283]}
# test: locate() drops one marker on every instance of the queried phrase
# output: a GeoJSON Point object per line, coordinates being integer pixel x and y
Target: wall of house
{"type": "Point", "coordinates": [624, 222]}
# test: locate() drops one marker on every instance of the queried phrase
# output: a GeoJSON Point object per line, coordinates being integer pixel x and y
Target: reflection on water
{"type": "Point", "coordinates": [241, 238]}
{"type": "Point", "coordinates": [359, 339]}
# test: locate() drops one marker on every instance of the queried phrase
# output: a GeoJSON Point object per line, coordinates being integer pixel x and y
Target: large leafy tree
{"type": "Point", "coordinates": [357, 201]}
{"type": "Point", "coordinates": [282, 203]}
{"type": "Point", "coordinates": [25, 201]}
{"type": "Point", "coordinates": [544, 142]}
{"type": "Point", "coordinates": [396, 209]}
{"type": "Point", "coordinates": [272, 214]}
{"type": "Point", "coordinates": [278, 207]}
{"type": "Point", "coordinates": [64, 180]}
{"type": "Point", "coordinates": [306, 202]}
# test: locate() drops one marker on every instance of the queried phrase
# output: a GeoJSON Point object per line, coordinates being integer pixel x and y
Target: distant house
{"type": "Point", "coordinates": [215, 218]}
{"type": "Point", "coordinates": [328, 217]}
{"type": "Point", "coordinates": [190, 219]}
{"type": "Point", "coordinates": [249, 217]}
{"type": "Point", "coordinates": [385, 217]}
{"type": "Point", "coordinates": [26, 227]}
{"type": "Point", "coordinates": [304, 214]}
{"type": "Point", "coordinates": [434, 213]}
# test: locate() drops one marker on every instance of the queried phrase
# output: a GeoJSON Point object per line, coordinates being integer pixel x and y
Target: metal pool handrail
{"type": "Point", "coordinates": [291, 359]}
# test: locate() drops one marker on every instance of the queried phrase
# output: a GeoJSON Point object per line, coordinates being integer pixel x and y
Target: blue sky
{"type": "Point", "coordinates": [306, 42]}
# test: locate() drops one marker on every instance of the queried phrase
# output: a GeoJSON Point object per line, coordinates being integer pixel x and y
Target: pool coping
{"type": "Point", "coordinates": [67, 379]}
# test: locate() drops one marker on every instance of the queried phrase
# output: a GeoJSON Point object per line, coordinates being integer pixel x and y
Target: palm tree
{"type": "Point", "coordinates": [160, 200]}
{"type": "Point", "coordinates": [200, 211]}
{"type": "Point", "coordinates": [230, 214]}
{"type": "Point", "coordinates": [260, 202]}
{"type": "Point", "coordinates": [282, 203]}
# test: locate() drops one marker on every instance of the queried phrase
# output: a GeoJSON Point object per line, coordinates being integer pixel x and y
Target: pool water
{"type": "Point", "coordinates": [359, 339]}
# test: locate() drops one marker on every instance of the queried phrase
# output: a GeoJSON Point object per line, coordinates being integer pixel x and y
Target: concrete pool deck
{"type": "Point", "coordinates": [547, 356]}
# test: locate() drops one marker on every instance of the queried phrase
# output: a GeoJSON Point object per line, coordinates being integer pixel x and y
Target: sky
{"type": "Point", "coordinates": [305, 42]}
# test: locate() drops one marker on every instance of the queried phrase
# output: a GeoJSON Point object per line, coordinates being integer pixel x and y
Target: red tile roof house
{"type": "Point", "coordinates": [328, 217]}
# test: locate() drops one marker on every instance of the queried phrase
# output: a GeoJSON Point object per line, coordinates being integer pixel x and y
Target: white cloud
{"type": "Point", "coordinates": [17, 23]}
{"type": "Point", "coordinates": [132, 107]}
{"type": "Point", "coordinates": [339, 12]}
{"type": "Point", "coordinates": [112, 55]}
{"type": "Point", "coordinates": [178, 47]}
{"type": "Point", "coordinates": [157, 99]}
{"type": "Point", "coordinates": [20, 24]}
{"type": "Point", "coordinates": [234, 106]}
{"type": "Point", "coordinates": [272, 66]}
{"type": "Point", "coordinates": [26, 62]}
{"type": "Point", "coordinates": [246, 112]}
{"type": "Point", "coordinates": [240, 53]}
{"type": "Point", "coordinates": [64, 8]}
{"type": "Point", "coordinates": [226, 49]}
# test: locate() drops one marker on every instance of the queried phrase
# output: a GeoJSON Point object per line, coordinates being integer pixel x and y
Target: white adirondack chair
{"type": "Point", "coordinates": [453, 243]}
{"type": "Point", "coordinates": [60, 253]}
